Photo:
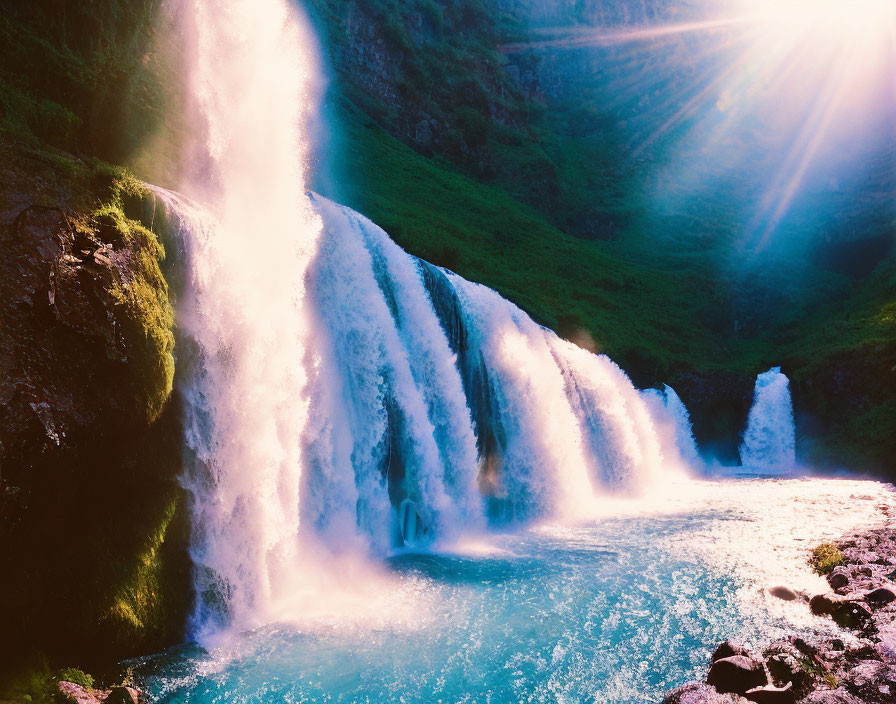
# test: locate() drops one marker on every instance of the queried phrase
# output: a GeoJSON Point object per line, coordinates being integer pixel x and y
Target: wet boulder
{"type": "Point", "coordinates": [838, 579]}
{"type": "Point", "coordinates": [783, 593]}
{"type": "Point", "coordinates": [830, 696]}
{"type": "Point", "coordinates": [847, 611]}
{"type": "Point", "coordinates": [737, 674]}
{"type": "Point", "coordinates": [76, 694]}
{"type": "Point", "coordinates": [869, 679]}
{"type": "Point", "coordinates": [823, 604]}
{"type": "Point", "coordinates": [770, 694]}
{"type": "Point", "coordinates": [123, 695]}
{"type": "Point", "coordinates": [881, 596]}
{"type": "Point", "coordinates": [697, 693]}
{"type": "Point", "coordinates": [728, 648]}
{"type": "Point", "coordinates": [785, 665]}
{"type": "Point", "coordinates": [861, 556]}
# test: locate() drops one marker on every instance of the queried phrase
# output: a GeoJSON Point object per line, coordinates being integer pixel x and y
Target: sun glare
{"type": "Point", "coordinates": [837, 18]}
{"type": "Point", "coordinates": [835, 35]}
{"type": "Point", "coordinates": [822, 68]}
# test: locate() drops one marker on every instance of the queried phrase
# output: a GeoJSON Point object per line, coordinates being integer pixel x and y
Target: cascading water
{"type": "Point", "coordinates": [770, 438]}
{"type": "Point", "coordinates": [671, 417]}
{"type": "Point", "coordinates": [344, 398]}
{"type": "Point", "coordinates": [242, 310]}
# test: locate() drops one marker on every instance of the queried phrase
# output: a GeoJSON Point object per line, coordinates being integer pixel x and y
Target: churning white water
{"type": "Point", "coordinates": [414, 408]}
{"type": "Point", "coordinates": [672, 418]}
{"type": "Point", "coordinates": [242, 311]}
{"type": "Point", "coordinates": [769, 443]}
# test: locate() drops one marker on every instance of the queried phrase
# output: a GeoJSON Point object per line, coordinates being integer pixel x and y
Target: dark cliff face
{"type": "Point", "coordinates": [718, 402]}
{"type": "Point", "coordinates": [846, 409]}
{"type": "Point", "coordinates": [92, 520]}
{"type": "Point", "coordinates": [93, 524]}
{"type": "Point", "coordinates": [427, 70]}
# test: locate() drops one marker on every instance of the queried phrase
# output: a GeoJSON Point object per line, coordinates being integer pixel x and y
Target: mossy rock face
{"type": "Point", "coordinates": [75, 676]}
{"type": "Point", "coordinates": [91, 513]}
{"type": "Point", "coordinates": [141, 292]}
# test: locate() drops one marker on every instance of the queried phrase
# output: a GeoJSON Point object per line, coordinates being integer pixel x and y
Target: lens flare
{"type": "Point", "coordinates": [835, 20]}
{"type": "Point", "coordinates": [778, 99]}
{"type": "Point", "coordinates": [826, 71]}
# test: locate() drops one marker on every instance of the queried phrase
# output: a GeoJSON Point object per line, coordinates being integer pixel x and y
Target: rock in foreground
{"type": "Point", "coordinates": [824, 671]}
{"type": "Point", "coordinates": [78, 694]}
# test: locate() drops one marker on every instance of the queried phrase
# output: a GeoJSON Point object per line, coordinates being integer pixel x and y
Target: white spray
{"type": "Point", "coordinates": [672, 419]}
{"type": "Point", "coordinates": [770, 439]}
{"type": "Point", "coordinates": [252, 81]}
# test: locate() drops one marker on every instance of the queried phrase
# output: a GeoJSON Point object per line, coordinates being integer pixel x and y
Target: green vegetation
{"type": "Point", "coordinates": [443, 66]}
{"type": "Point", "coordinates": [39, 684]}
{"type": "Point", "coordinates": [96, 77]}
{"type": "Point", "coordinates": [826, 557]}
{"type": "Point", "coordinates": [75, 676]}
{"type": "Point", "coordinates": [143, 295]}
{"type": "Point", "coordinates": [99, 544]}
{"type": "Point", "coordinates": [447, 143]}
{"type": "Point", "coordinates": [577, 287]}
{"type": "Point", "coordinates": [818, 671]}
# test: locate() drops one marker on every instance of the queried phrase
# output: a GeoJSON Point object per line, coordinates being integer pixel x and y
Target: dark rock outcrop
{"type": "Point", "coordinates": [730, 648]}
{"type": "Point", "coordinates": [696, 693]}
{"type": "Point", "coordinates": [737, 674]}
{"type": "Point", "coordinates": [78, 694]}
{"type": "Point", "coordinates": [718, 403]}
{"type": "Point", "coordinates": [770, 694]}
{"type": "Point", "coordinates": [93, 525]}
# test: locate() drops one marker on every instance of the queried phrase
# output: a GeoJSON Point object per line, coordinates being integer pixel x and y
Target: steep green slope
{"type": "Point", "coordinates": [645, 315]}
{"type": "Point", "coordinates": [96, 77]}
{"type": "Point", "coordinates": [452, 147]}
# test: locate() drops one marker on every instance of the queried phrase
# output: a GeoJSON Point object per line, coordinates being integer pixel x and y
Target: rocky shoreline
{"type": "Point", "coordinates": [861, 569]}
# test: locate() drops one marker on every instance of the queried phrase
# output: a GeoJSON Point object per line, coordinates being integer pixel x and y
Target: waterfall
{"type": "Point", "coordinates": [769, 443]}
{"type": "Point", "coordinates": [671, 417]}
{"type": "Point", "coordinates": [252, 79]}
{"type": "Point", "coordinates": [343, 398]}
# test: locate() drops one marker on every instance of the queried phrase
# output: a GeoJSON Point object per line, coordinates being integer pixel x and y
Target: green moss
{"type": "Point", "coordinates": [818, 671]}
{"type": "Point", "coordinates": [142, 296]}
{"type": "Point", "coordinates": [135, 608]}
{"type": "Point", "coordinates": [75, 676]}
{"type": "Point", "coordinates": [826, 557]}
{"type": "Point", "coordinates": [39, 684]}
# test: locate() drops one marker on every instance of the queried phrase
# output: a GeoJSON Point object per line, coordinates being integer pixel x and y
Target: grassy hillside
{"type": "Point", "coordinates": [451, 146]}
{"type": "Point", "coordinates": [577, 287]}
{"type": "Point", "coordinates": [95, 78]}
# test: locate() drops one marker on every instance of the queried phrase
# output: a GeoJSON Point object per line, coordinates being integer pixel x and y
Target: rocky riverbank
{"type": "Point", "coordinates": [860, 571]}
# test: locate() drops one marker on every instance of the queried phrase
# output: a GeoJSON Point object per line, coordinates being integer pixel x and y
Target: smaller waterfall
{"type": "Point", "coordinates": [672, 419]}
{"type": "Point", "coordinates": [770, 439]}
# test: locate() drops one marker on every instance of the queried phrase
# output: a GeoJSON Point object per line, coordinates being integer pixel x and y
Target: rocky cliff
{"type": "Point", "coordinates": [92, 521]}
